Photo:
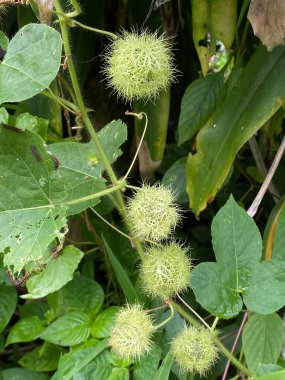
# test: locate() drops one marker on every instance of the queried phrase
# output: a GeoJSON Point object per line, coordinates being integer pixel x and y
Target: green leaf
{"type": "Point", "coordinates": [4, 40]}
{"type": "Point", "coordinates": [33, 309]}
{"type": "Point", "coordinates": [42, 359]}
{"type": "Point", "coordinates": [119, 374]}
{"type": "Point", "coordinates": [57, 273]}
{"type": "Point", "coordinates": [81, 166]}
{"type": "Point", "coordinates": [98, 368]}
{"type": "Point", "coordinates": [21, 374]}
{"type": "Point", "coordinates": [68, 330]}
{"type": "Point", "coordinates": [215, 289]}
{"type": "Point", "coordinates": [280, 375]}
{"type": "Point", "coordinates": [8, 303]}
{"type": "Point", "coordinates": [79, 294]}
{"type": "Point", "coordinates": [198, 103]}
{"type": "Point", "coordinates": [266, 289]}
{"type": "Point", "coordinates": [238, 249]}
{"type": "Point", "coordinates": [164, 370]}
{"type": "Point", "coordinates": [264, 369]}
{"type": "Point", "coordinates": [25, 330]}
{"type": "Point", "coordinates": [262, 340]}
{"type": "Point", "coordinates": [175, 177]}
{"type": "Point", "coordinates": [249, 105]}
{"type": "Point", "coordinates": [147, 366]}
{"type": "Point", "coordinates": [73, 362]}
{"type": "Point", "coordinates": [30, 215]}
{"type": "Point", "coordinates": [103, 323]}
{"type": "Point", "coordinates": [122, 277]}
{"type": "Point", "coordinates": [33, 123]}
{"type": "Point", "coordinates": [31, 62]}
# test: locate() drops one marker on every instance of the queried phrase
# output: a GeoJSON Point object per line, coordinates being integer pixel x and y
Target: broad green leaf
{"type": "Point", "coordinates": [175, 177]}
{"type": "Point", "coordinates": [262, 340]}
{"type": "Point", "coordinates": [264, 369]}
{"type": "Point", "coordinates": [146, 368]}
{"type": "Point", "coordinates": [238, 248]}
{"type": "Point", "coordinates": [236, 240]}
{"type": "Point", "coordinates": [249, 105]}
{"type": "Point", "coordinates": [25, 330]}
{"type": "Point", "coordinates": [30, 215]}
{"type": "Point", "coordinates": [274, 234]}
{"type": "Point", "coordinates": [33, 309]}
{"type": "Point", "coordinates": [8, 302]}
{"type": "Point", "coordinates": [280, 375]}
{"type": "Point", "coordinates": [98, 368]}
{"type": "Point", "coordinates": [21, 374]}
{"type": "Point", "coordinates": [55, 275]}
{"type": "Point", "coordinates": [266, 289]}
{"type": "Point", "coordinates": [119, 374]}
{"type": "Point", "coordinates": [164, 370]}
{"type": "Point", "coordinates": [79, 294]}
{"type": "Point", "coordinates": [74, 361]}
{"type": "Point", "coordinates": [31, 62]}
{"type": "Point", "coordinates": [215, 289]}
{"type": "Point", "coordinates": [122, 277]}
{"type": "Point", "coordinates": [68, 330]}
{"type": "Point", "coordinates": [198, 103]}
{"type": "Point", "coordinates": [42, 359]}
{"type": "Point", "coordinates": [81, 166]}
{"type": "Point", "coordinates": [103, 323]}
{"type": "Point", "coordinates": [116, 361]}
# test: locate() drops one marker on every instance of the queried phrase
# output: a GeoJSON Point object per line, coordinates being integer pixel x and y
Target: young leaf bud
{"type": "Point", "coordinates": [131, 334]}
{"type": "Point", "coordinates": [152, 214]}
{"type": "Point", "coordinates": [165, 270]}
{"type": "Point", "coordinates": [138, 66]}
{"type": "Point", "coordinates": [194, 350]}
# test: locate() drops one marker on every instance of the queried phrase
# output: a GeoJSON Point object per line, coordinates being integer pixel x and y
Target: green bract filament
{"type": "Point", "coordinates": [165, 271]}
{"type": "Point", "coordinates": [139, 66]}
{"type": "Point", "coordinates": [194, 350]}
{"type": "Point", "coordinates": [152, 213]}
{"type": "Point", "coordinates": [131, 335]}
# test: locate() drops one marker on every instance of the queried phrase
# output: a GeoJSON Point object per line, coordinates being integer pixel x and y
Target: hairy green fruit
{"type": "Point", "coordinates": [152, 213]}
{"type": "Point", "coordinates": [165, 271]}
{"type": "Point", "coordinates": [131, 334]}
{"type": "Point", "coordinates": [138, 66]}
{"type": "Point", "coordinates": [194, 350]}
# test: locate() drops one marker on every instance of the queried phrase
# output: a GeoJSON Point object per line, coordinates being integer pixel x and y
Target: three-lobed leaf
{"type": "Point", "coordinates": [238, 275]}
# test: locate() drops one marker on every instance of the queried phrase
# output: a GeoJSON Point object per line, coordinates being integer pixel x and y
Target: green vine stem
{"type": "Point", "coordinates": [81, 107]}
{"type": "Point", "coordinates": [100, 31]}
{"type": "Point", "coordinates": [223, 349]}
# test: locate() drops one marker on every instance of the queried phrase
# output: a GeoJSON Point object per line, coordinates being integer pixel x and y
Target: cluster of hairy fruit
{"type": "Point", "coordinates": [165, 267]}
{"type": "Point", "coordinates": [140, 66]}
